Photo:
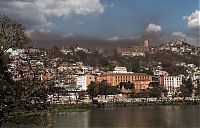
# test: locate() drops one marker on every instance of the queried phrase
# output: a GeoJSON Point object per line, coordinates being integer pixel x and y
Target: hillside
{"type": "Point", "coordinates": [109, 59]}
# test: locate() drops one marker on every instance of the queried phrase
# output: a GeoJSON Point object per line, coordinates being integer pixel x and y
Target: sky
{"type": "Point", "coordinates": [108, 19]}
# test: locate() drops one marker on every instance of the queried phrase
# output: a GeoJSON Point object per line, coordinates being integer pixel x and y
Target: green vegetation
{"type": "Point", "coordinates": [102, 88]}
{"type": "Point", "coordinates": [156, 90]}
{"type": "Point", "coordinates": [126, 85]}
{"type": "Point", "coordinates": [12, 35]}
{"type": "Point", "coordinates": [55, 110]}
{"type": "Point", "coordinates": [187, 88]}
{"type": "Point", "coordinates": [108, 60]}
{"type": "Point", "coordinates": [92, 90]}
{"type": "Point", "coordinates": [197, 91]}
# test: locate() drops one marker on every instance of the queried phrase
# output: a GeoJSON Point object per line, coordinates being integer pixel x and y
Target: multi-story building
{"type": "Point", "coordinates": [134, 50]}
{"type": "Point", "coordinates": [171, 83]}
{"type": "Point", "coordinates": [83, 81]}
{"type": "Point", "coordinates": [140, 80]}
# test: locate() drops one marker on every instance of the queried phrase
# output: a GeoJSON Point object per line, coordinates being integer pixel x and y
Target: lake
{"type": "Point", "coordinates": [186, 116]}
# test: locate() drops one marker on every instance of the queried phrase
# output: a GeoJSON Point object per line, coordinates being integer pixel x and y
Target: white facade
{"type": "Point", "coordinates": [174, 49]}
{"type": "Point", "coordinates": [159, 72]}
{"type": "Point", "coordinates": [85, 69]}
{"type": "Point", "coordinates": [120, 70]}
{"type": "Point", "coordinates": [171, 83]}
{"type": "Point", "coordinates": [81, 82]}
{"type": "Point", "coordinates": [15, 52]}
{"type": "Point", "coordinates": [133, 54]}
{"type": "Point", "coordinates": [138, 54]}
{"type": "Point", "coordinates": [126, 53]}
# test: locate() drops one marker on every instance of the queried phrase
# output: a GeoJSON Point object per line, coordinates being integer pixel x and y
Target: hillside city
{"type": "Point", "coordinates": [99, 64]}
{"type": "Point", "coordinates": [166, 71]}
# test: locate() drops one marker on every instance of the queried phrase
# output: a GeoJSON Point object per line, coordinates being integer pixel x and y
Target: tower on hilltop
{"type": "Point", "coordinates": [146, 43]}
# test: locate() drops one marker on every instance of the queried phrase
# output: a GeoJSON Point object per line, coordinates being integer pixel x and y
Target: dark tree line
{"type": "Point", "coordinates": [101, 88]}
{"type": "Point", "coordinates": [186, 88]}
{"type": "Point", "coordinates": [16, 96]}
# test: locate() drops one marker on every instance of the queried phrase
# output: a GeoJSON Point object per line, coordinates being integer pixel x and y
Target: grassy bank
{"type": "Point", "coordinates": [56, 110]}
{"type": "Point", "coordinates": [62, 108]}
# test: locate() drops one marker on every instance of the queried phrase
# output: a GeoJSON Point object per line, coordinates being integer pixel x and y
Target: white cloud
{"type": "Point", "coordinates": [64, 8]}
{"type": "Point", "coordinates": [115, 38]}
{"type": "Point", "coordinates": [36, 13]}
{"type": "Point", "coordinates": [153, 28]}
{"type": "Point", "coordinates": [189, 38]}
{"type": "Point", "coordinates": [193, 19]}
{"type": "Point", "coordinates": [178, 34]}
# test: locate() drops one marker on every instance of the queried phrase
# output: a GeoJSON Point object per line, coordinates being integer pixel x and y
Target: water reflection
{"type": "Point", "coordinates": [137, 116]}
{"type": "Point", "coordinates": [148, 116]}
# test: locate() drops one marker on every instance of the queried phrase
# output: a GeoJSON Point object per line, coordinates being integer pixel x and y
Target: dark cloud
{"type": "Point", "coordinates": [51, 39]}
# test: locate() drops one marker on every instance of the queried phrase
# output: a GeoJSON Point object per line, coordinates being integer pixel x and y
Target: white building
{"type": "Point", "coordinates": [138, 54]}
{"type": "Point", "coordinates": [85, 69]}
{"type": "Point", "coordinates": [174, 49]}
{"type": "Point", "coordinates": [83, 81]}
{"type": "Point", "coordinates": [120, 70]}
{"type": "Point", "coordinates": [159, 73]}
{"type": "Point", "coordinates": [172, 83]}
{"type": "Point", "coordinates": [15, 52]}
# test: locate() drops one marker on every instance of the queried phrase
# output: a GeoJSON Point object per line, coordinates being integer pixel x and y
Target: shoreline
{"type": "Point", "coordinates": [64, 108]}
{"type": "Point", "coordinates": [53, 111]}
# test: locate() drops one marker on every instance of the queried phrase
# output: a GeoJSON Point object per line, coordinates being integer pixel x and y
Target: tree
{"type": "Point", "coordinates": [92, 90]}
{"type": "Point", "coordinates": [133, 94]}
{"type": "Point", "coordinates": [112, 90]}
{"type": "Point", "coordinates": [126, 85]}
{"type": "Point", "coordinates": [187, 88]}
{"type": "Point", "coordinates": [155, 90]}
{"type": "Point", "coordinates": [103, 88]}
{"type": "Point", "coordinates": [144, 93]}
{"type": "Point", "coordinates": [126, 88]}
{"type": "Point", "coordinates": [197, 90]}
{"type": "Point", "coordinates": [12, 35]}
{"type": "Point", "coordinates": [106, 89]}
{"type": "Point", "coordinates": [6, 92]}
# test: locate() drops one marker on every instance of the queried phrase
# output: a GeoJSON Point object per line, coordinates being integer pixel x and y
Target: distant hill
{"type": "Point", "coordinates": [50, 40]}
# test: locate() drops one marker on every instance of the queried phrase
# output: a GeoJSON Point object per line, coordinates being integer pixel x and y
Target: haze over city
{"type": "Point", "coordinates": [91, 23]}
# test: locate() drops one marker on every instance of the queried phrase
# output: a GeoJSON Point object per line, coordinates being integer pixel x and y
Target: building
{"type": "Point", "coordinates": [134, 50]}
{"type": "Point", "coordinates": [146, 43]}
{"type": "Point", "coordinates": [83, 81]}
{"type": "Point", "coordinates": [160, 72]}
{"type": "Point", "coordinates": [140, 80]}
{"type": "Point", "coordinates": [171, 83]}
{"type": "Point", "coordinates": [120, 70]}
